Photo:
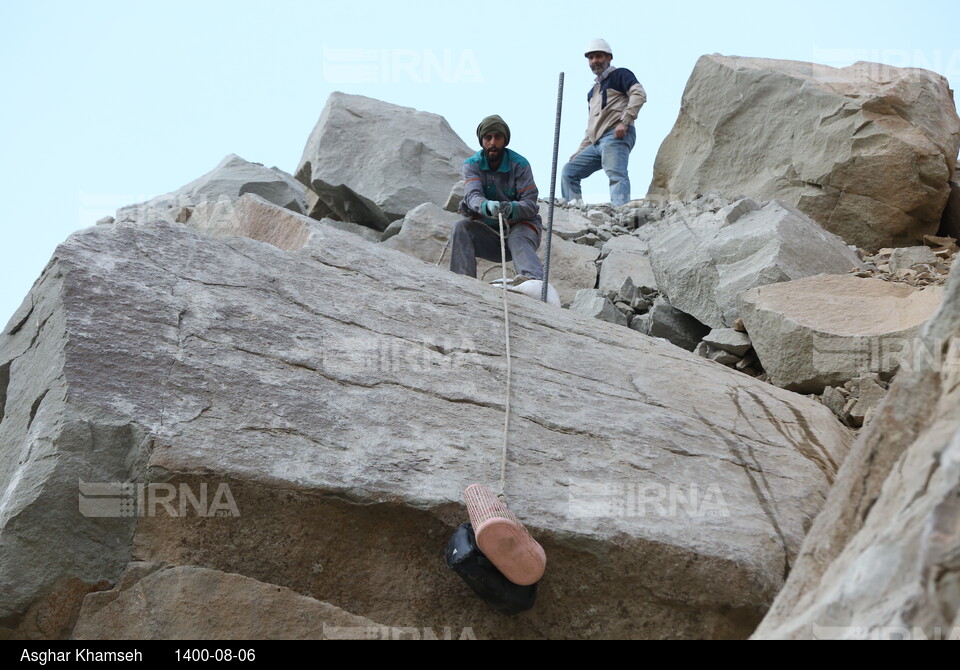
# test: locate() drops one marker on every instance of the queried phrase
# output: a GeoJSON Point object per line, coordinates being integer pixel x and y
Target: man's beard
{"type": "Point", "coordinates": [494, 158]}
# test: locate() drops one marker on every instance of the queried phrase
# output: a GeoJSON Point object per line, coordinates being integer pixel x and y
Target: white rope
{"type": "Point", "coordinates": [506, 330]}
{"type": "Point", "coordinates": [443, 253]}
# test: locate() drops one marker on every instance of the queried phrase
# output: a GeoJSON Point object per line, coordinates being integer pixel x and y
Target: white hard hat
{"type": "Point", "coordinates": [598, 45]}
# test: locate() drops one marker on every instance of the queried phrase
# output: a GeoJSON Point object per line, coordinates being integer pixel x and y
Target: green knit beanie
{"type": "Point", "coordinates": [493, 124]}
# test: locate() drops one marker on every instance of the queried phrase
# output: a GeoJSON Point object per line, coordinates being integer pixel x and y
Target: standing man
{"type": "Point", "coordinates": [497, 181]}
{"type": "Point", "coordinates": [614, 102]}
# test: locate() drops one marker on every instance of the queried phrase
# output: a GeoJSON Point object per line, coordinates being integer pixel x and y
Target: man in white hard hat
{"type": "Point", "coordinates": [613, 102]}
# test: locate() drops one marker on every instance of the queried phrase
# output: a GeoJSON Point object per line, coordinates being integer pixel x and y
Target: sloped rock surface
{"type": "Point", "coordinates": [345, 394]}
{"type": "Point", "coordinates": [867, 150]}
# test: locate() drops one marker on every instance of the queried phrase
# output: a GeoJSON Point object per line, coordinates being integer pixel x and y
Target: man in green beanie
{"type": "Point", "coordinates": [497, 181]}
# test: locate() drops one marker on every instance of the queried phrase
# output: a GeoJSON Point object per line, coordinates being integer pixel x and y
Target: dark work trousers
{"type": "Point", "coordinates": [470, 240]}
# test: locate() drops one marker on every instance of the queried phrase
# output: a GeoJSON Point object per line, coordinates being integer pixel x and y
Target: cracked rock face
{"type": "Point", "coordinates": [308, 418]}
{"type": "Point", "coordinates": [882, 561]}
{"type": "Point", "coordinates": [868, 150]}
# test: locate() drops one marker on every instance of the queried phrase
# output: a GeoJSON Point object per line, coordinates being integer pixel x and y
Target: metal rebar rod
{"type": "Point", "coordinates": [553, 192]}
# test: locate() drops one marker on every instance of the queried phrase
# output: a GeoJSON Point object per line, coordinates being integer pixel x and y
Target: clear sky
{"type": "Point", "coordinates": [107, 103]}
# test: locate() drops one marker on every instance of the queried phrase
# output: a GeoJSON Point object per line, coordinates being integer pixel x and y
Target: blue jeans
{"type": "Point", "coordinates": [610, 154]}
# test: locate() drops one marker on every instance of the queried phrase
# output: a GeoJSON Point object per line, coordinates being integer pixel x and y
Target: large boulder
{"type": "Point", "coordinates": [704, 256]}
{"type": "Point", "coordinates": [232, 178]}
{"type": "Point", "coordinates": [866, 150]}
{"type": "Point", "coordinates": [882, 561]}
{"type": "Point", "coordinates": [309, 419]}
{"type": "Point", "coordinates": [369, 152]}
{"type": "Point", "coordinates": [824, 331]}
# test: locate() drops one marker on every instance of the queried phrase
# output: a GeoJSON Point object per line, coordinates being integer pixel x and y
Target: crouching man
{"type": "Point", "coordinates": [497, 181]}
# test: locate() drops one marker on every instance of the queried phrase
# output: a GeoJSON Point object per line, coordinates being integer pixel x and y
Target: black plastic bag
{"type": "Point", "coordinates": [465, 558]}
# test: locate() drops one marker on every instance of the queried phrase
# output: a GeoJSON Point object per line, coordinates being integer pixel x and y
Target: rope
{"type": "Point", "coordinates": [506, 330]}
{"type": "Point", "coordinates": [443, 253]}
